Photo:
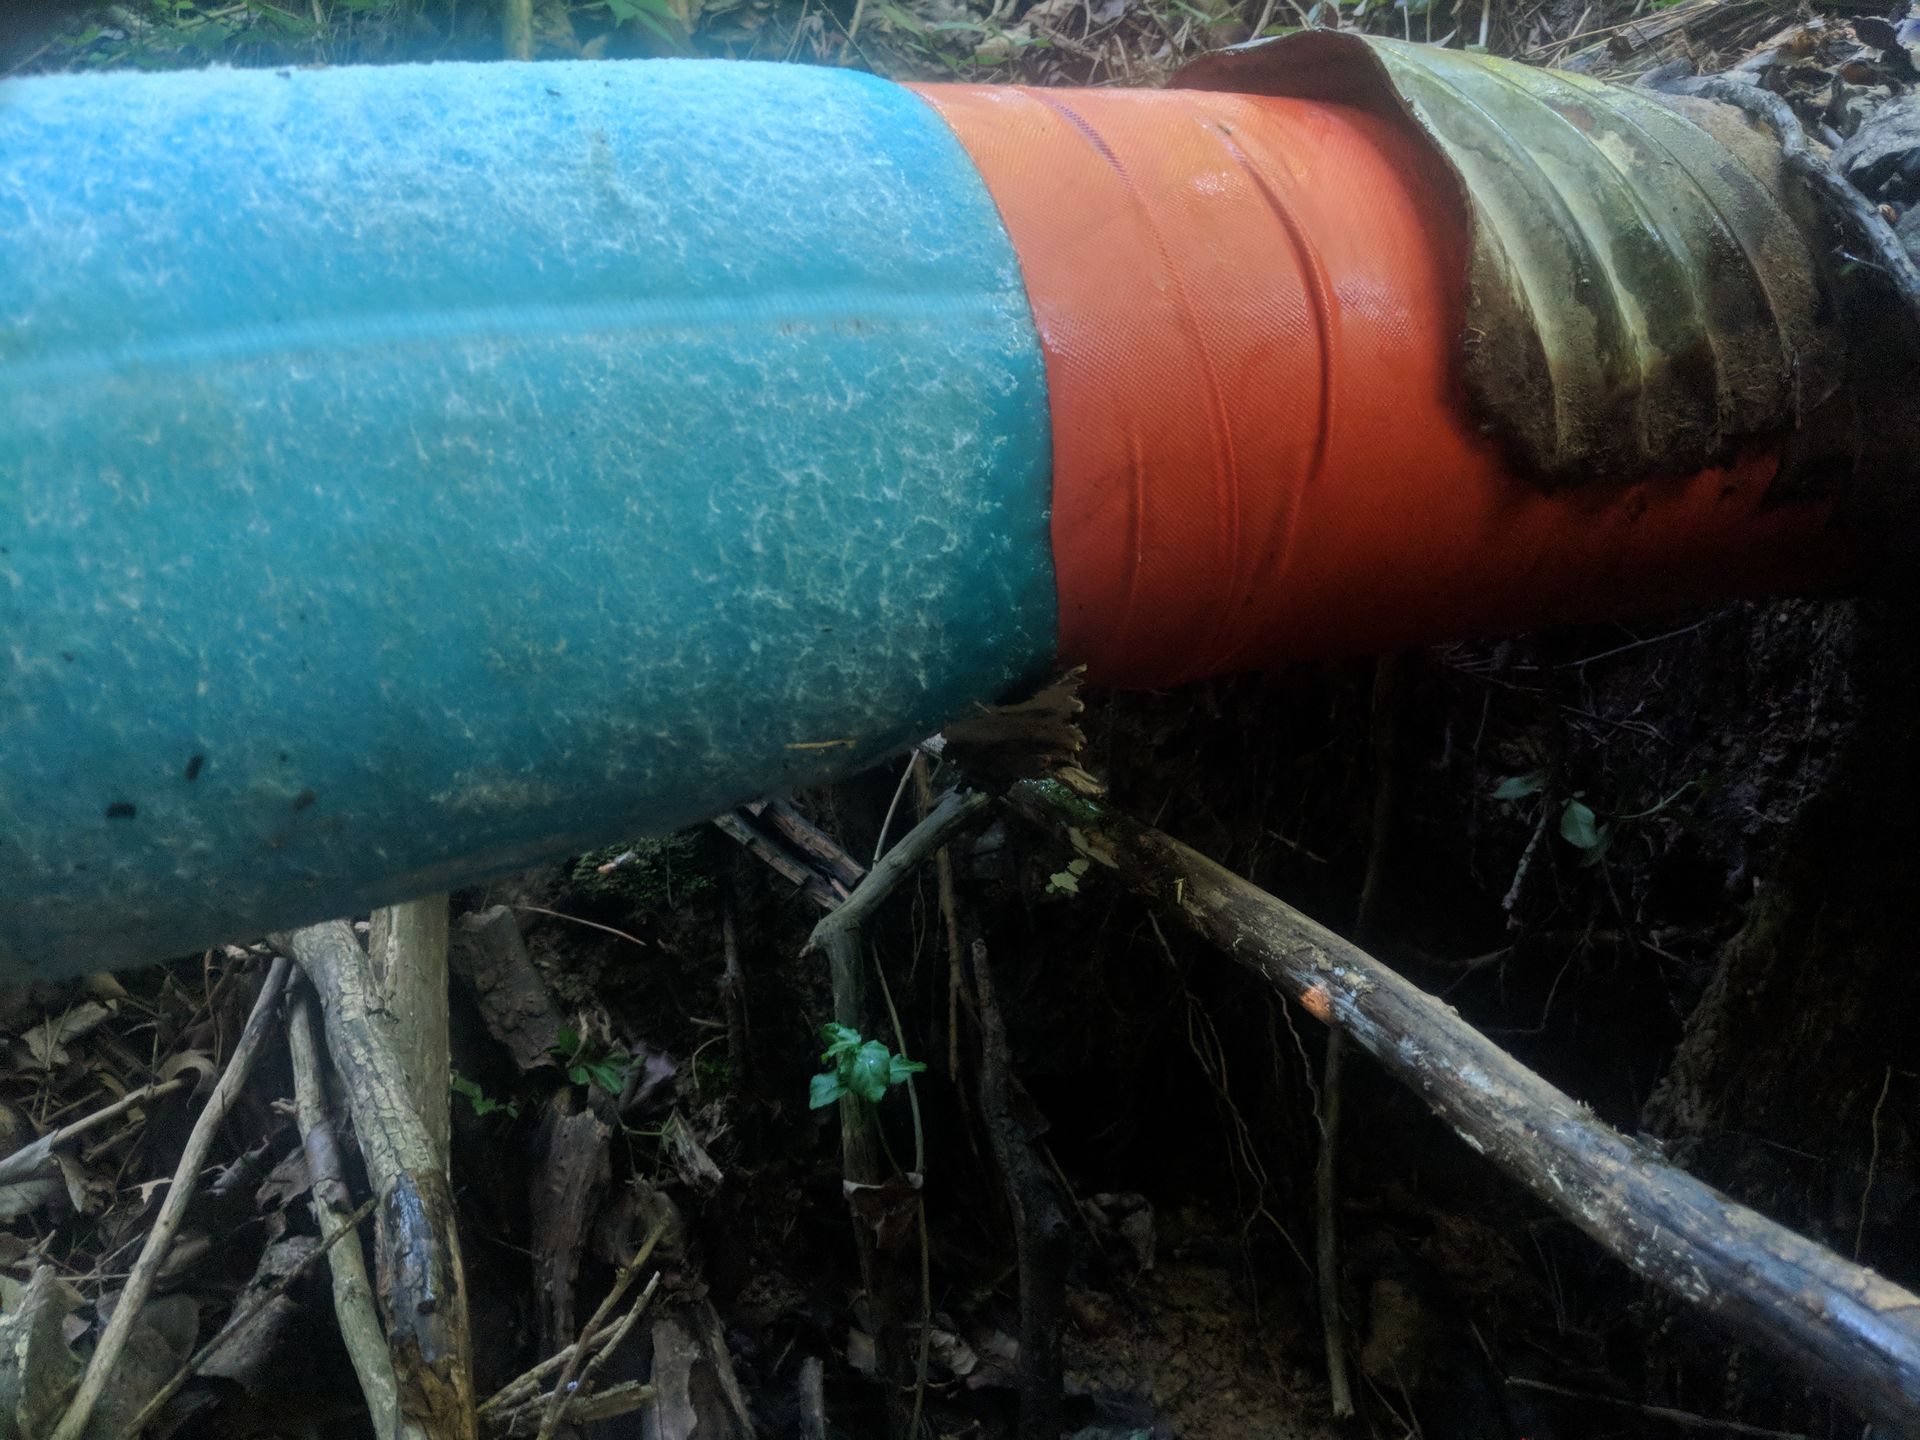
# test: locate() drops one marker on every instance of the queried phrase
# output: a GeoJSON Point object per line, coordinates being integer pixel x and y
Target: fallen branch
{"type": "Point", "coordinates": [810, 840]}
{"type": "Point", "coordinates": [954, 813]}
{"type": "Point", "coordinates": [1844, 1327]}
{"type": "Point", "coordinates": [421, 1278]}
{"type": "Point", "coordinates": [153, 1254]}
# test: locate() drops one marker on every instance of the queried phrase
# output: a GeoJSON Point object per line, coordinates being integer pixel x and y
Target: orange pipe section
{"type": "Point", "coordinates": [1250, 309]}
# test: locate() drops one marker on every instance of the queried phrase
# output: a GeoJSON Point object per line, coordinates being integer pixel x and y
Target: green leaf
{"type": "Point", "coordinates": [901, 1067]}
{"type": "Point", "coordinates": [1578, 827]}
{"type": "Point", "coordinates": [824, 1090]}
{"type": "Point", "coordinates": [566, 1043]}
{"type": "Point", "coordinates": [482, 1103]}
{"type": "Point", "coordinates": [841, 1040]}
{"type": "Point", "coordinates": [871, 1072]}
{"type": "Point", "coordinates": [1519, 787]}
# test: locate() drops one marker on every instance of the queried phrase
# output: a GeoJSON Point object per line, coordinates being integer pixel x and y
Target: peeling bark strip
{"type": "Point", "coordinates": [1639, 301]}
{"type": "Point", "coordinates": [1841, 1325]}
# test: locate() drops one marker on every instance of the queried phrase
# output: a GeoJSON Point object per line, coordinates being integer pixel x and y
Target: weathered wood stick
{"type": "Point", "coordinates": [1841, 1325]}
{"type": "Point", "coordinates": [420, 1274]}
{"type": "Point", "coordinates": [353, 1301]}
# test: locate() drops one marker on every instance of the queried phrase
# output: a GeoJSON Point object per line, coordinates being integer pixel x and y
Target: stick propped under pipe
{"type": "Point", "coordinates": [1842, 1326]}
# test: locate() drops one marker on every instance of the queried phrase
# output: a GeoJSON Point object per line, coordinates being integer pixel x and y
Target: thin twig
{"type": "Point", "coordinates": [1873, 1161]}
{"type": "Point", "coordinates": [353, 1303]}
{"type": "Point", "coordinates": [590, 924]}
{"type": "Point", "coordinates": [146, 1269]}
{"type": "Point", "coordinates": [886, 821]}
{"type": "Point", "coordinates": [1326, 1232]}
{"type": "Point", "coordinates": [21, 1164]}
{"type": "Point", "coordinates": [618, 1336]}
{"type": "Point", "coordinates": [614, 1401]}
{"type": "Point", "coordinates": [575, 1397]}
{"type": "Point", "coordinates": [920, 1208]}
{"type": "Point", "coordinates": [245, 1318]}
{"type": "Point", "coordinates": [950, 915]}
{"type": "Point", "coordinates": [1684, 1418]}
{"type": "Point", "coordinates": [1326, 1188]}
{"type": "Point", "coordinates": [558, 1405]}
{"type": "Point", "coordinates": [954, 813]}
{"type": "Point", "coordinates": [510, 1395]}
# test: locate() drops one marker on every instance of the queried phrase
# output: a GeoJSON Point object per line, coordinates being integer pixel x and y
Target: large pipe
{"type": "Point", "coordinates": [412, 474]}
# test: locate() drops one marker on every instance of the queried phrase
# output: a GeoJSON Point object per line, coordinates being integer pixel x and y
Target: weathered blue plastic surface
{"type": "Point", "coordinates": [411, 474]}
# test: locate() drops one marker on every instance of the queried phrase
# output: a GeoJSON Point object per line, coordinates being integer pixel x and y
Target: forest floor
{"type": "Point", "coordinates": [1664, 864]}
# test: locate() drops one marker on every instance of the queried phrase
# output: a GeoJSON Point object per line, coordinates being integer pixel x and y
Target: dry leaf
{"type": "Point", "coordinates": [37, 1370]}
{"type": "Point", "coordinates": [44, 1046]}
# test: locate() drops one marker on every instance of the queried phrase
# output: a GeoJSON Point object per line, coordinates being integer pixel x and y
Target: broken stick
{"type": "Point", "coordinates": [1844, 1327]}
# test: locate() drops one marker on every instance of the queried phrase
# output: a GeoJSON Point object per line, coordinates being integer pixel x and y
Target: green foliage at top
{"type": "Point", "coordinates": [865, 1068]}
{"type": "Point", "coordinates": [647, 876]}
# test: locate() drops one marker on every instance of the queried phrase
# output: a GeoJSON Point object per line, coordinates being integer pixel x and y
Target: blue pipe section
{"type": "Point", "coordinates": [409, 475]}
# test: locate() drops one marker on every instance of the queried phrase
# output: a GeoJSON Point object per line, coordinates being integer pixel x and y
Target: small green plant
{"type": "Point", "coordinates": [858, 1067]}
{"type": "Point", "coordinates": [1580, 826]}
{"type": "Point", "coordinates": [589, 1064]}
{"type": "Point", "coordinates": [483, 1104]}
